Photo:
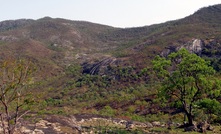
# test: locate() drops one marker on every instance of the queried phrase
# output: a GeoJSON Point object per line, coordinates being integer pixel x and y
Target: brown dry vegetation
{"type": "Point", "coordinates": [122, 84]}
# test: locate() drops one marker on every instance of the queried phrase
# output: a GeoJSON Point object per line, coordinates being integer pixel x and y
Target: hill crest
{"type": "Point", "coordinates": [89, 43]}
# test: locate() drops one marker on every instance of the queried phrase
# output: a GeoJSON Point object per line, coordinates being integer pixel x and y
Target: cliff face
{"type": "Point", "coordinates": [194, 46]}
{"type": "Point", "coordinates": [208, 47]}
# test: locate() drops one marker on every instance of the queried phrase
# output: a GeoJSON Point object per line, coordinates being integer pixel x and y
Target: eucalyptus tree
{"type": "Point", "coordinates": [15, 75]}
{"type": "Point", "coordinates": [185, 77]}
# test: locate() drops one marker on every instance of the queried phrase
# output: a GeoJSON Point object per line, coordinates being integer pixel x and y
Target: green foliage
{"type": "Point", "coordinates": [74, 70]}
{"type": "Point", "coordinates": [120, 54]}
{"type": "Point", "coordinates": [122, 86]}
{"type": "Point", "coordinates": [210, 105]}
{"type": "Point", "coordinates": [108, 111]}
{"type": "Point", "coordinates": [131, 109]}
{"type": "Point", "coordinates": [93, 81]}
{"type": "Point", "coordinates": [15, 99]}
{"type": "Point", "coordinates": [185, 77]}
{"type": "Point", "coordinates": [124, 74]}
{"type": "Point", "coordinates": [53, 102]}
{"type": "Point", "coordinates": [111, 130]}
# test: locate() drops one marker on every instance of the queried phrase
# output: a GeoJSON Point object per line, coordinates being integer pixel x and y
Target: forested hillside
{"type": "Point", "coordinates": [83, 68]}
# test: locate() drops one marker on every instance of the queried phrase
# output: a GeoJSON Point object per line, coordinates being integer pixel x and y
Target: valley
{"type": "Point", "coordinates": [87, 69]}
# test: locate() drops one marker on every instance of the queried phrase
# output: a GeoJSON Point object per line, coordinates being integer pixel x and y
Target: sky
{"type": "Point", "coordinates": [117, 13]}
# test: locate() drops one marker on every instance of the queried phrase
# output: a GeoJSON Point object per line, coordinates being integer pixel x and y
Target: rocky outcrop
{"type": "Point", "coordinates": [156, 123]}
{"type": "Point", "coordinates": [12, 24]}
{"type": "Point", "coordinates": [204, 126]}
{"type": "Point", "coordinates": [190, 128]}
{"type": "Point", "coordinates": [193, 46]}
{"type": "Point", "coordinates": [98, 67]}
{"type": "Point", "coordinates": [8, 38]}
{"type": "Point", "coordinates": [51, 125]}
{"type": "Point", "coordinates": [88, 123]}
{"type": "Point", "coordinates": [83, 123]}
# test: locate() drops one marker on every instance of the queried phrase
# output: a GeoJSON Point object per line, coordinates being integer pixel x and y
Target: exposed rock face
{"type": "Point", "coordinates": [98, 67]}
{"type": "Point", "coordinates": [156, 123]}
{"type": "Point", "coordinates": [168, 50]}
{"type": "Point", "coordinates": [77, 124]}
{"type": "Point", "coordinates": [51, 125]}
{"type": "Point", "coordinates": [204, 126]}
{"type": "Point", "coordinates": [8, 38]}
{"type": "Point", "coordinates": [149, 125]}
{"type": "Point", "coordinates": [88, 123]}
{"type": "Point", "coordinates": [129, 125]}
{"type": "Point", "coordinates": [194, 46]}
{"type": "Point", "coordinates": [197, 46]}
{"type": "Point", "coordinates": [11, 24]}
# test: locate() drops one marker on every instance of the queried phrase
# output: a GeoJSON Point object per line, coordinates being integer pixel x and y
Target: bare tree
{"type": "Point", "coordinates": [15, 75]}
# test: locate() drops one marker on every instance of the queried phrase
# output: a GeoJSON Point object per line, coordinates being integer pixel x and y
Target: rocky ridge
{"type": "Point", "coordinates": [12, 24]}
{"type": "Point", "coordinates": [91, 124]}
{"type": "Point", "coordinates": [84, 124]}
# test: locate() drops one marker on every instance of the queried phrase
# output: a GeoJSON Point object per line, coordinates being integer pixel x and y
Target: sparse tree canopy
{"type": "Point", "coordinates": [185, 77]}
{"type": "Point", "coordinates": [14, 76]}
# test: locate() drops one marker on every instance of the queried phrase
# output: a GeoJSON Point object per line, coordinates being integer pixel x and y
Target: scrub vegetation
{"type": "Point", "coordinates": [166, 76]}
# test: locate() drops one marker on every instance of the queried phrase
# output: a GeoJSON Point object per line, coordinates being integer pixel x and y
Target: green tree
{"type": "Point", "coordinates": [108, 111]}
{"type": "Point", "coordinates": [74, 70]}
{"type": "Point", "coordinates": [14, 99]}
{"type": "Point", "coordinates": [185, 77]}
{"type": "Point", "coordinates": [210, 106]}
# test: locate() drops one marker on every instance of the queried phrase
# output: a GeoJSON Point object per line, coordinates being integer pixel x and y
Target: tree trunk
{"type": "Point", "coordinates": [188, 114]}
{"type": "Point", "coordinates": [190, 119]}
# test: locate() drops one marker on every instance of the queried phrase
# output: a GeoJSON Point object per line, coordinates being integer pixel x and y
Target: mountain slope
{"type": "Point", "coordinates": [85, 66]}
{"type": "Point", "coordinates": [85, 42]}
